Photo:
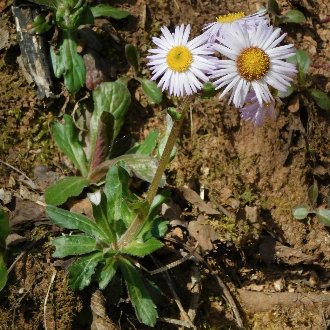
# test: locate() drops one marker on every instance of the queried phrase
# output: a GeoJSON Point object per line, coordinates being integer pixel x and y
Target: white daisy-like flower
{"type": "Point", "coordinates": [181, 64]}
{"type": "Point", "coordinates": [255, 61]}
{"type": "Point", "coordinates": [257, 114]}
{"type": "Point", "coordinates": [226, 22]}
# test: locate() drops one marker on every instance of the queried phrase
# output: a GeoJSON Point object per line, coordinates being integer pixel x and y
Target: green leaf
{"type": "Point", "coordinates": [70, 15]}
{"type": "Point", "coordinates": [70, 220]}
{"type": "Point", "coordinates": [300, 212]}
{"type": "Point", "coordinates": [112, 97]}
{"type": "Point", "coordinates": [68, 63]}
{"type": "Point", "coordinates": [164, 137]}
{"type": "Point", "coordinates": [3, 272]}
{"type": "Point", "coordinates": [147, 146]}
{"type": "Point", "coordinates": [151, 90]}
{"type": "Point", "coordinates": [104, 139]}
{"type": "Point", "coordinates": [289, 91]}
{"type": "Point", "coordinates": [321, 98]}
{"type": "Point", "coordinates": [73, 245]}
{"type": "Point", "coordinates": [209, 90]}
{"type": "Point", "coordinates": [108, 272]}
{"type": "Point", "coordinates": [273, 7]}
{"type": "Point", "coordinates": [132, 56]}
{"type": "Point", "coordinates": [82, 269]}
{"type": "Point", "coordinates": [120, 199]}
{"type": "Point", "coordinates": [4, 226]}
{"type": "Point", "coordinates": [101, 219]}
{"type": "Point", "coordinates": [59, 192]}
{"type": "Point", "coordinates": [313, 193]}
{"type": "Point", "coordinates": [141, 249]}
{"type": "Point", "coordinates": [109, 11]}
{"type": "Point", "coordinates": [39, 25]}
{"type": "Point", "coordinates": [302, 61]}
{"type": "Point", "coordinates": [174, 113]}
{"type": "Point", "coordinates": [293, 16]}
{"type": "Point", "coordinates": [324, 216]}
{"type": "Point", "coordinates": [144, 307]}
{"type": "Point", "coordinates": [155, 226]}
{"type": "Point", "coordinates": [66, 137]}
{"type": "Point", "coordinates": [142, 166]}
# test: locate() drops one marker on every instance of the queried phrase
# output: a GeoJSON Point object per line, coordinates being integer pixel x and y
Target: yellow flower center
{"type": "Point", "coordinates": [253, 63]}
{"type": "Point", "coordinates": [229, 18]}
{"type": "Point", "coordinates": [179, 58]}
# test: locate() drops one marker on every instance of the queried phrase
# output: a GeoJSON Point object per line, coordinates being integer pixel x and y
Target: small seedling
{"type": "Point", "coordinates": [302, 212]}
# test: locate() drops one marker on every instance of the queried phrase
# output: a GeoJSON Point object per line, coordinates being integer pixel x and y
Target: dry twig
{"type": "Point", "coordinates": [226, 293]}
{"type": "Point", "coordinates": [168, 280]}
{"type": "Point", "coordinates": [46, 298]}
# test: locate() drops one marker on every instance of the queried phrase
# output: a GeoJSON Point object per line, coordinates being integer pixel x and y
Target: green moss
{"type": "Point", "coordinates": [224, 226]}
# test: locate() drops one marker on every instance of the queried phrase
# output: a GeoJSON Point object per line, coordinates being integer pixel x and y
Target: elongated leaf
{"type": "Point", "coordinates": [68, 63]}
{"type": "Point", "coordinates": [108, 272]}
{"type": "Point", "coordinates": [70, 220]}
{"type": "Point", "coordinates": [313, 193]}
{"type": "Point", "coordinates": [142, 166]}
{"type": "Point", "coordinates": [109, 11]}
{"type": "Point", "coordinates": [73, 245]}
{"type": "Point", "coordinates": [104, 139]}
{"type": "Point", "coordinates": [120, 199]}
{"type": "Point", "coordinates": [132, 56]}
{"type": "Point", "coordinates": [321, 98]}
{"type": "Point", "coordinates": [60, 191]}
{"type": "Point", "coordinates": [3, 272]}
{"type": "Point", "coordinates": [141, 249]}
{"type": "Point", "coordinates": [151, 90]}
{"type": "Point", "coordinates": [147, 146]}
{"type": "Point", "coordinates": [144, 307]}
{"type": "Point", "coordinates": [112, 97]}
{"type": "Point", "coordinates": [155, 226]}
{"type": "Point", "coordinates": [164, 137]}
{"type": "Point", "coordinates": [82, 269]}
{"type": "Point", "coordinates": [102, 221]}
{"type": "Point", "coordinates": [302, 61]}
{"type": "Point", "coordinates": [324, 216]}
{"type": "Point", "coordinates": [66, 137]}
{"type": "Point", "coordinates": [293, 16]}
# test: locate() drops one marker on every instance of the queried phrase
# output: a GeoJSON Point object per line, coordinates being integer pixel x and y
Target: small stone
{"type": "Point", "coordinates": [313, 279]}
{"type": "Point", "coordinates": [279, 284]}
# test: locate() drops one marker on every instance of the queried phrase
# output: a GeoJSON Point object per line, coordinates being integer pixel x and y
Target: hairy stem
{"type": "Point", "coordinates": [140, 218]}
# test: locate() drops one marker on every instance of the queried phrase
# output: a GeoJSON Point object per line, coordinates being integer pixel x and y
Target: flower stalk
{"type": "Point", "coordinates": [141, 216]}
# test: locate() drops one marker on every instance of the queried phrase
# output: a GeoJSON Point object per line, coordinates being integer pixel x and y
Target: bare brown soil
{"type": "Point", "coordinates": [277, 268]}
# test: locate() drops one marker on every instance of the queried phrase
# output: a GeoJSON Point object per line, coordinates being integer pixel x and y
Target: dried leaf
{"type": "Point", "coordinates": [101, 321]}
{"type": "Point", "coordinates": [203, 233]}
{"type": "Point", "coordinates": [26, 212]}
{"type": "Point", "coordinates": [293, 256]}
{"type": "Point", "coordinates": [193, 198]}
{"type": "Point", "coordinates": [294, 104]}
